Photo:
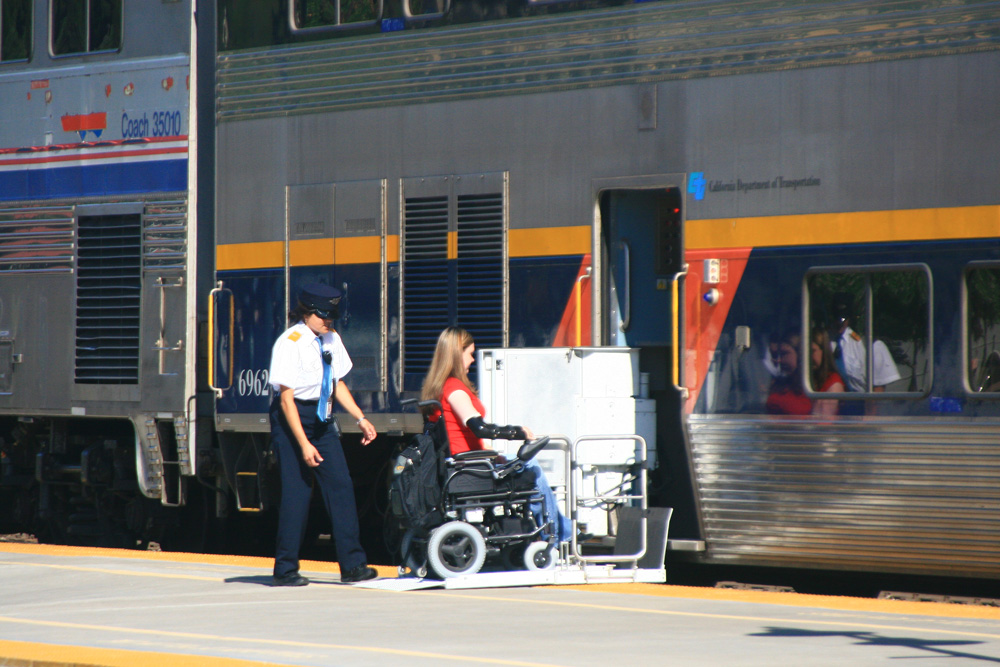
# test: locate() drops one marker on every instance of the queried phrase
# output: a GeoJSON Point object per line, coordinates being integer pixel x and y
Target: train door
{"type": "Point", "coordinates": [642, 236]}
{"type": "Point", "coordinates": [643, 266]}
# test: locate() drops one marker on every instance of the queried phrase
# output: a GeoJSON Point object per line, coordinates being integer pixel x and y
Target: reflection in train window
{"type": "Point", "coordinates": [85, 26]}
{"type": "Point", "coordinates": [425, 9]}
{"type": "Point", "coordinates": [879, 324]}
{"type": "Point", "coordinates": [15, 30]}
{"type": "Point", "coordinates": [329, 14]}
{"type": "Point", "coordinates": [982, 328]}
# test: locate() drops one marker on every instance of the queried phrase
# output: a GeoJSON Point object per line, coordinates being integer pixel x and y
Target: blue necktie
{"type": "Point", "coordinates": [324, 392]}
{"type": "Point", "coordinates": [838, 361]}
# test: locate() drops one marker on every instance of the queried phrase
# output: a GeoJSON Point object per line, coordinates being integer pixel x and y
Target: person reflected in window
{"type": "Point", "coordinates": [850, 353]}
{"type": "Point", "coordinates": [824, 375]}
{"type": "Point", "coordinates": [772, 356]}
{"type": "Point", "coordinates": [787, 396]}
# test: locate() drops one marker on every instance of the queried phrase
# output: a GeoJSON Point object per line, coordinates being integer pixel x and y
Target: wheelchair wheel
{"type": "Point", "coordinates": [456, 549]}
{"type": "Point", "coordinates": [418, 572]}
{"type": "Point", "coordinates": [512, 556]}
{"type": "Point", "coordinates": [539, 556]}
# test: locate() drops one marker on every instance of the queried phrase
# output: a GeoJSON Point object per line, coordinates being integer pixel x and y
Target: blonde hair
{"type": "Point", "coordinates": [447, 363]}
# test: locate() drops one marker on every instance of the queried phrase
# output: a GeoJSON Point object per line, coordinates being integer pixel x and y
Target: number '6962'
{"type": "Point", "coordinates": [253, 382]}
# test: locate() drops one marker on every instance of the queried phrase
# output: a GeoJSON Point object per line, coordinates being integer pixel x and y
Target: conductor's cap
{"type": "Point", "coordinates": [842, 306]}
{"type": "Point", "coordinates": [320, 297]}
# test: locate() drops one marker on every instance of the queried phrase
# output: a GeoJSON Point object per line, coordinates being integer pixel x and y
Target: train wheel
{"type": "Point", "coordinates": [456, 549]}
{"type": "Point", "coordinates": [539, 556]}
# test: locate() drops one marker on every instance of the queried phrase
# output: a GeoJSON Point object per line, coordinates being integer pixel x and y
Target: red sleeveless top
{"type": "Point", "coordinates": [460, 437]}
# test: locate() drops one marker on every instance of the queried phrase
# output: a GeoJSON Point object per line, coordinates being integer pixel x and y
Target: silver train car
{"type": "Point", "coordinates": [698, 180]}
{"type": "Point", "coordinates": [100, 267]}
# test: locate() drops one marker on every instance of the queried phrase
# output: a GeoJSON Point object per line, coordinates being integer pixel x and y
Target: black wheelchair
{"type": "Point", "coordinates": [482, 515]}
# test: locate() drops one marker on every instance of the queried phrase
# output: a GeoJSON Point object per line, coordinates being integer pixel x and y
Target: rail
{"type": "Point", "coordinates": [617, 494]}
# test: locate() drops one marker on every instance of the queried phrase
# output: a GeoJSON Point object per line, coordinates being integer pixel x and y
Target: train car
{"type": "Point", "coordinates": [101, 266]}
{"type": "Point", "coordinates": [701, 180]}
{"type": "Point", "coordinates": [701, 177]}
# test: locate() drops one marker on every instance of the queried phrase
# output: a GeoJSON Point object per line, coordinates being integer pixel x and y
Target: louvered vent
{"type": "Point", "coordinates": [426, 293]}
{"type": "Point", "coordinates": [479, 268]}
{"type": "Point", "coordinates": [36, 240]}
{"type": "Point", "coordinates": [467, 290]}
{"type": "Point", "coordinates": [109, 281]}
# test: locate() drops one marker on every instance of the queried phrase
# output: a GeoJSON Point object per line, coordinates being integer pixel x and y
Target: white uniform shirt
{"type": "Point", "coordinates": [297, 362]}
{"type": "Point", "coordinates": [853, 351]}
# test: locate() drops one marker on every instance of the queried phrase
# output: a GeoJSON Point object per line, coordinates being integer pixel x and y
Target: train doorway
{"type": "Point", "coordinates": [642, 239]}
{"type": "Point", "coordinates": [642, 252]}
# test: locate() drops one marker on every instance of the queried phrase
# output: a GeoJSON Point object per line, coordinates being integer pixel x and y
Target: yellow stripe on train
{"type": "Point", "coordinates": [550, 241]}
{"type": "Point", "coordinates": [313, 252]}
{"type": "Point", "coordinates": [966, 222]}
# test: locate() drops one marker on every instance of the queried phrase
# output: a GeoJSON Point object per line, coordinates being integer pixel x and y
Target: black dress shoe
{"type": "Point", "coordinates": [359, 573]}
{"type": "Point", "coordinates": [291, 579]}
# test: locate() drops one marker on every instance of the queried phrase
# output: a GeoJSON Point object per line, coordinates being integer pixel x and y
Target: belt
{"type": "Point", "coordinates": [302, 402]}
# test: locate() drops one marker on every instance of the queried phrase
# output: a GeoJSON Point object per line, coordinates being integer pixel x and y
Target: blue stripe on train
{"type": "Point", "coordinates": [94, 180]}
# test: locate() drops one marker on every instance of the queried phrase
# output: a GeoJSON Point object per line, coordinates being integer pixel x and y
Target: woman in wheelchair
{"type": "Point", "coordinates": [464, 415]}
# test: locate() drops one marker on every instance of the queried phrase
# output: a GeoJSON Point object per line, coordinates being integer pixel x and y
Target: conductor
{"type": "Point", "coordinates": [308, 364]}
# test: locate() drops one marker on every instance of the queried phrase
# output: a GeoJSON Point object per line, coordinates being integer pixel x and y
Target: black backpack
{"type": "Point", "coordinates": [415, 490]}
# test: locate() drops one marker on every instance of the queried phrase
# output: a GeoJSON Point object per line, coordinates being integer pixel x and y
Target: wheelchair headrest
{"type": "Point", "coordinates": [528, 450]}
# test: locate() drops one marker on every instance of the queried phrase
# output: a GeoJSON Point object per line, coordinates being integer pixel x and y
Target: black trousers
{"type": "Point", "coordinates": [334, 480]}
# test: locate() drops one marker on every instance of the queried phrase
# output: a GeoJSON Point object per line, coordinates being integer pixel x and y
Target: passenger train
{"type": "Point", "coordinates": [700, 179]}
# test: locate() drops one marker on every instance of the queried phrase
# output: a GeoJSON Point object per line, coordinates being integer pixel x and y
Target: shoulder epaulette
{"type": "Point", "coordinates": [294, 336]}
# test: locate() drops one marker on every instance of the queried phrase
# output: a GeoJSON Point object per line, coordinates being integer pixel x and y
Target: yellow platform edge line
{"type": "Point", "coordinates": [838, 602]}
{"type": "Point", "coordinates": [32, 654]}
{"type": "Point", "coordinates": [389, 571]}
{"type": "Point", "coordinates": [662, 590]}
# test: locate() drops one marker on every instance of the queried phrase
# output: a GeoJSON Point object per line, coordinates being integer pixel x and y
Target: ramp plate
{"type": "Point", "coordinates": [568, 575]}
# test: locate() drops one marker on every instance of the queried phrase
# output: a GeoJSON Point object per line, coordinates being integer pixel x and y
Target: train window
{"type": "Point", "coordinates": [85, 26]}
{"type": "Point", "coordinates": [15, 30]}
{"type": "Point", "coordinates": [425, 9]}
{"type": "Point", "coordinates": [876, 323]}
{"type": "Point", "coordinates": [982, 328]}
{"type": "Point", "coordinates": [244, 24]}
{"type": "Point", "coordinates": [307, 16]}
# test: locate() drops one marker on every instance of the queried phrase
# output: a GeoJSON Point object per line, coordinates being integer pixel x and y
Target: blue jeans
{"type": "Point", "coordinates": [549, 507]}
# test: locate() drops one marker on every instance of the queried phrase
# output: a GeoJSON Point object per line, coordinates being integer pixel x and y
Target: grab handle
{"type": "Point", "coordinates": [675, 330]}
{"type": "Point", "coordinates": [219, 291]}
{"type": "Point", "coordinates": [579, 303]}
{"type": "Point", "coordinates": [627, 285]}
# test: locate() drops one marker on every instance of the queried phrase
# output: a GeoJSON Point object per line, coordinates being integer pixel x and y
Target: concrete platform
{"type": "Point", "coordinates": [67, 606]}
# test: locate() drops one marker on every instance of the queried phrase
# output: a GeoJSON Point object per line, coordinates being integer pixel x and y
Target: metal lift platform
{"type": "Point", "coordinates": [634, 554]}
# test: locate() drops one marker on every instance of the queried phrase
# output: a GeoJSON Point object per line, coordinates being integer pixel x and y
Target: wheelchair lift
{"type": "Point", "coordinates": [605, 474]}
{"type": "Point", "coordinates": [596, 398]}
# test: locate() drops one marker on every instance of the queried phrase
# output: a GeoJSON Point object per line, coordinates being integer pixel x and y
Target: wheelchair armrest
{"type": "Point", "coordinates": [475, 454]}
{"type": "Point", "coordinates": [532, 447]}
